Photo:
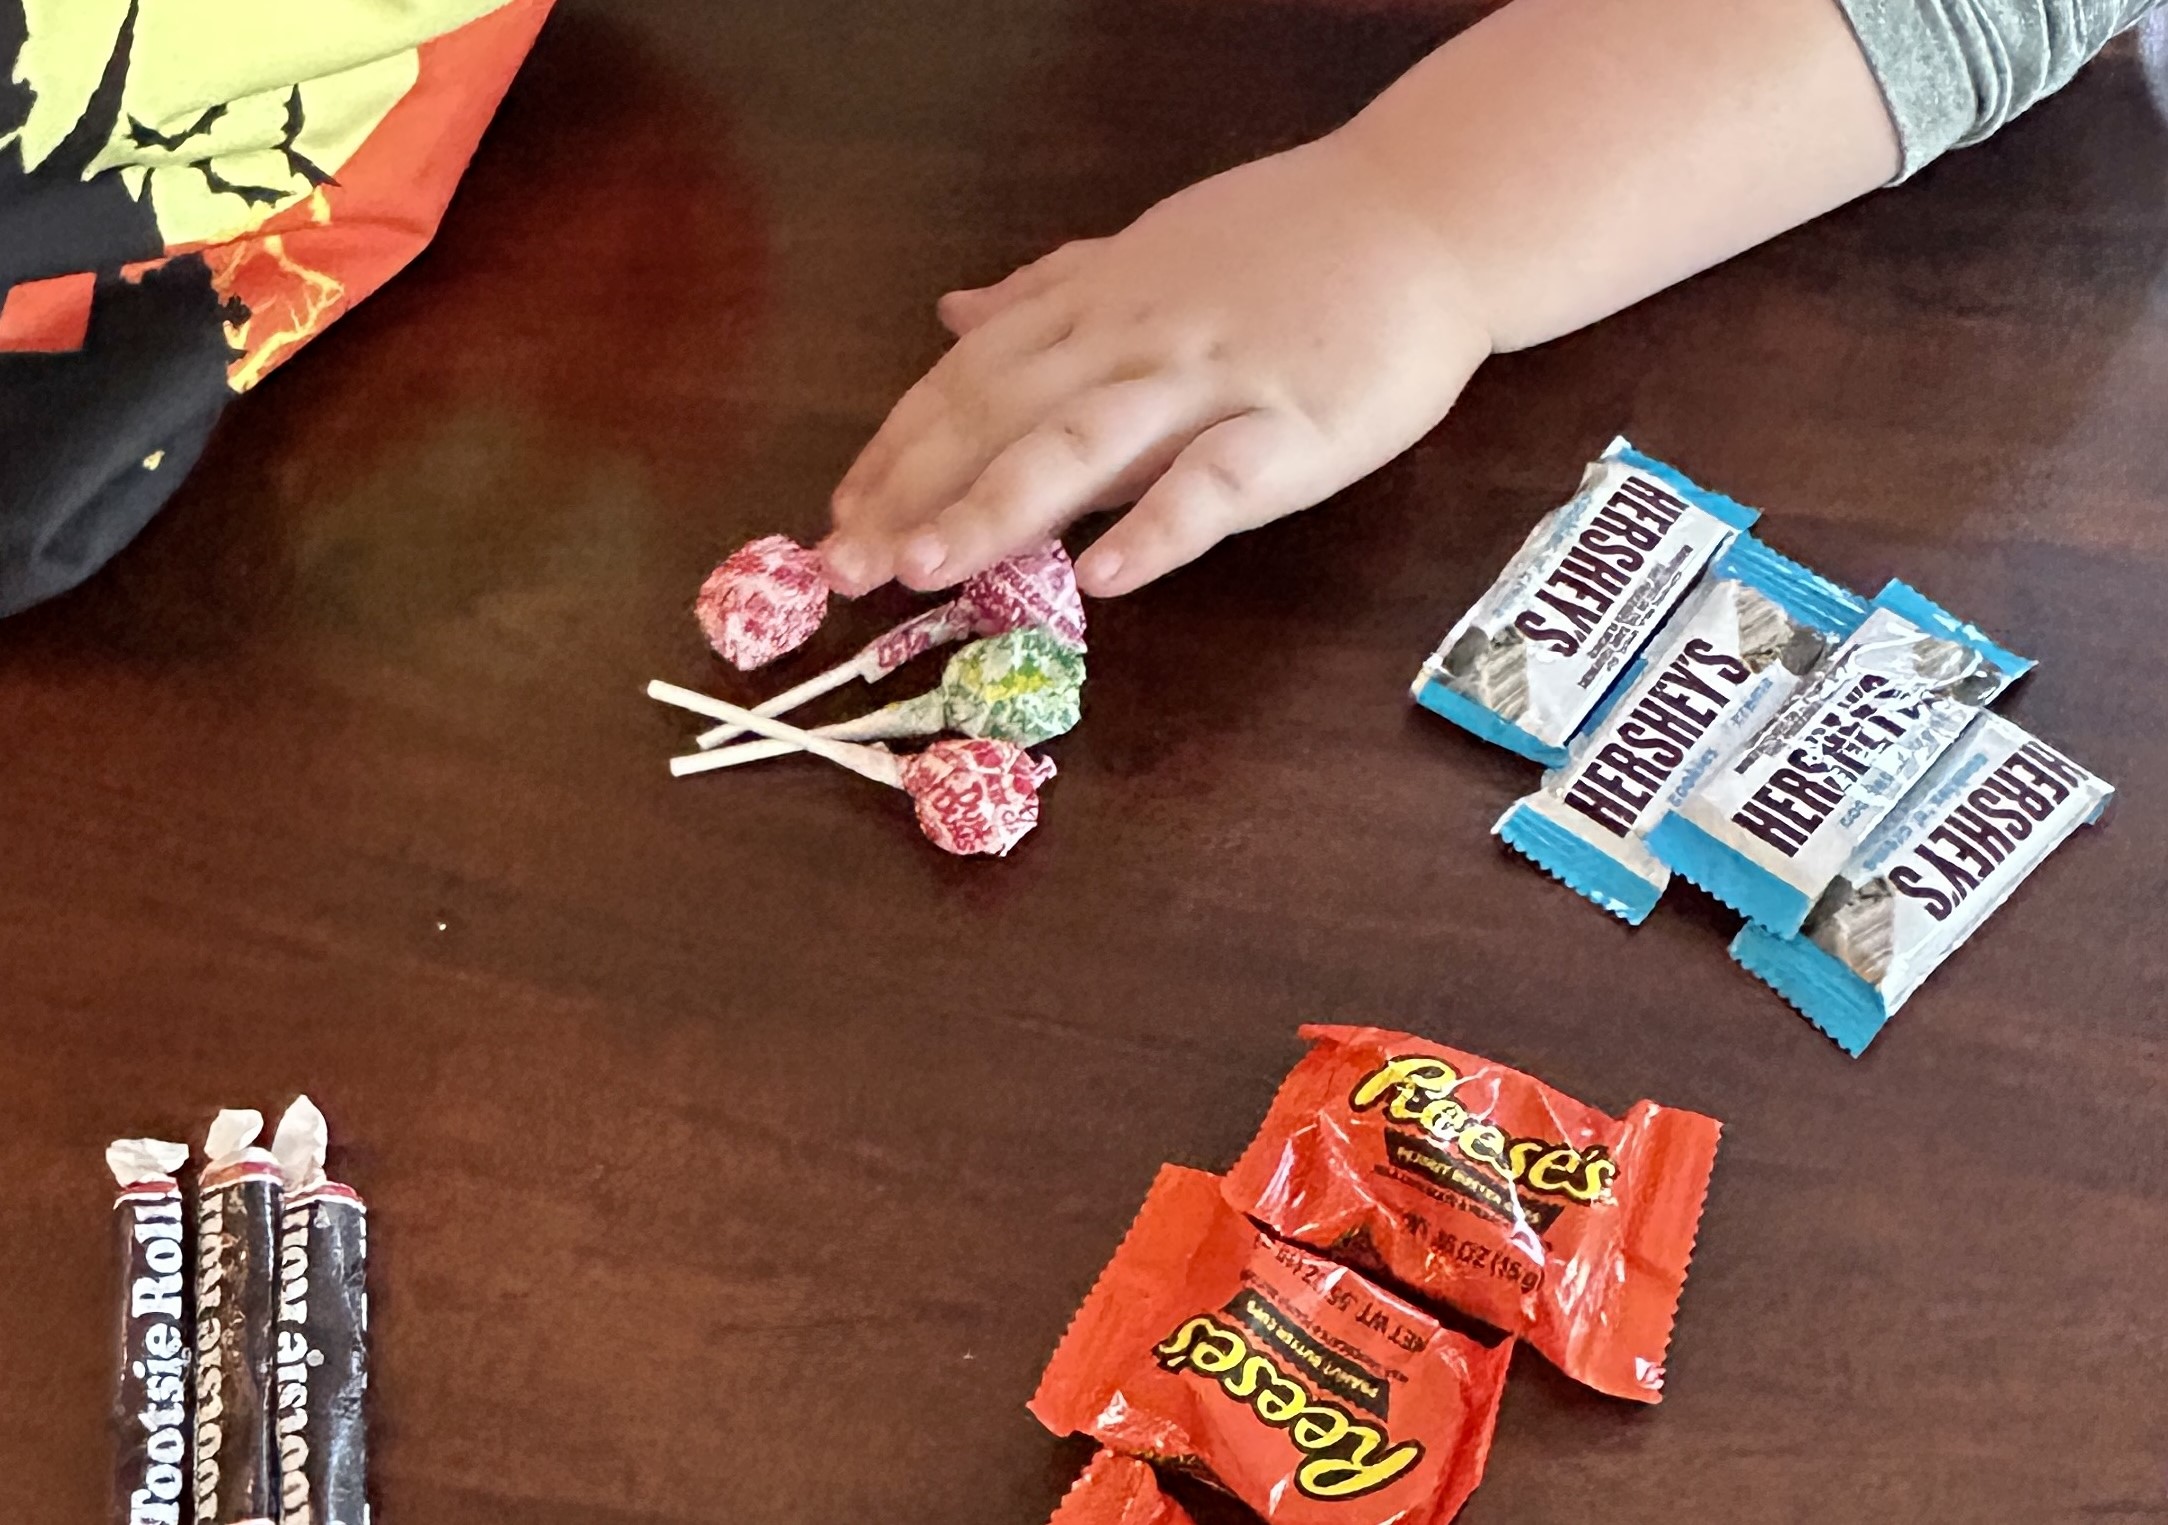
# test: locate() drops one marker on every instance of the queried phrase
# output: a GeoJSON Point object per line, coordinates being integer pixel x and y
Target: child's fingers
{"type": "Point", "coordinates": [858, 562]}
{"type": "Point", "coordinates": [988, 404]}
{"type": "Point", "coordinates": [965, 373]}
{"type": "Point", "coordinates": [1021, 354]}
{"type": "Point", "coordinates": [962, 311]}
{"type": "Point", "coordinates": [1075, 458]}
{"type": "Point", "coordinates": [1242, 472]}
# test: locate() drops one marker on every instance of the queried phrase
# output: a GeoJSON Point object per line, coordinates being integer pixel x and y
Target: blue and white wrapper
{"type": "Point", "coordinates": [1532, 661]}
{"type": "Point", "coordinates": [1769, 830]}
{"type": "Point", "coordinates": [1992, 807]}
{"type": "Point", "coordinates": [1737, 649]}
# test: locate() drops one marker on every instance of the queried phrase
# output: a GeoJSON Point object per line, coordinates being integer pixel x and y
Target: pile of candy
{"type": "Point", "coordinates": [1235, 1334]}
{"type": "Point", "coordinates": [1016, 685]}
{"type": "Point", "coordinates": [254, 1360]}
{"type": "Point", "coordinates": [1825, 765]}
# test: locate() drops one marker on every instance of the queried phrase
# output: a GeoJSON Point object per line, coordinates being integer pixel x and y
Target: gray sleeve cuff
{"type": "Point", "coordinates": [1953, 71]}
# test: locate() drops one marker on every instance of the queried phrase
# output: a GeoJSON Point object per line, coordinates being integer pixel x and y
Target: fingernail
{"type": "Point", "coordinates": [1100, 568]}
{"type": "Point", "coordinates": [923, 556]}
{"type": "Point", "coordinates": [846, 564]}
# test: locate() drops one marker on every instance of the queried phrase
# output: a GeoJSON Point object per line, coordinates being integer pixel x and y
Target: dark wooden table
{"type": "Point", "coordinates": [737, 1157]}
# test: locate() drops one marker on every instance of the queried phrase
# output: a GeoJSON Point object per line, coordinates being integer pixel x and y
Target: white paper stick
{"type": "Point", "coordinates": [861, 667]}
{"type": "Point", "coordinates": [868, 762]}
{"type": "Point", "coordinates": [730, 757]}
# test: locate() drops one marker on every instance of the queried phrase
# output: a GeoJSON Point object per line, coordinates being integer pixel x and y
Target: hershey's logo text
{"type": "Point", "coordinates": [1981, 831]}
{"type": "Point", "coordinates": [1795, 800]}
{"type": "Point", "coordinates": [1610, 548]}
{"type": "Point", "coordinates": [1649, 745]}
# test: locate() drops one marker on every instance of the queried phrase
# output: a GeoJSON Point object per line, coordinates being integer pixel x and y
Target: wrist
{"type": "Point", "coordinates": [1393, 211]}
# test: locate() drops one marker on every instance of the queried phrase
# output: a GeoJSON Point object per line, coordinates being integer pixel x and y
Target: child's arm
{"type": "Point", "coordinates": [1266, 337]}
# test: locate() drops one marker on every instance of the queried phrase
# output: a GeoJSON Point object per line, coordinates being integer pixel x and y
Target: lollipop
{"type": "Point", "coordinates": [767, 597]}
{"type": "Point", "coordinates": [1036, 588]}
{"type": "Point", "coordinates": [1020, 687]}
{"type": "Point", "coordinates": [973, 795]}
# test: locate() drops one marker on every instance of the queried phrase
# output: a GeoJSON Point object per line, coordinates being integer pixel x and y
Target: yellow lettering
{"type": "Point", "coordinates": [1281, 1403]}
{"type": "Point", "coordinates": [1320, 1429]}
{"type": "Point", "coordinates": [1334, 1477]}
{"type": "Point", "coordinates": [1522, 1153]}
{"type": "Point", "coordinates": [1344, 1458]}
{"type": "Point", "coordinates": [1555, 1171]}
{"type": "Point", "coordinates": [1246, 1378]}
{"type": "Point", "coordinates": [1596, 1177]}
{"type": "Point", "coordinates": [1414, 1071]}
{"type": "Point", "coordinates": [1220, 1353]}
{"type": "Point", "coordinates": [1485, 1143]}
{"type": "Point", "coordinates": [1173, 1353]}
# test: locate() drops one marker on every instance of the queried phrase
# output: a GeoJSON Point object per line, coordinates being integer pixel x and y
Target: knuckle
{"type": "Point", "coordinates": [1227, 477]}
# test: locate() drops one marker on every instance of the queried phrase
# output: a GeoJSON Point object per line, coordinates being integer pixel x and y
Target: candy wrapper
{"type": "Point", "coordinates": [1536, 655]}
{"type": "Point", "coordinates": [1486, 1189]}
{"type": "Point", "coordinates": [765, 599]}
{"type": "Point", "coordinates": [1984, 816]}
{"type": "Point", "coordinates": [1023, 687]}
{"type": "Point", "coordinates": [1117, 1490]}
{"type": "Point", "coordinates": [322, 1329]}
{"type": "Point", "coordinates": [972, 797]}
{"type": "Point", "coordinates": [1034, 589]}
{"type": "Point", "coordinates": [1767, 832]}
{"type": "Point", "coordinates": [1314, 1396]}
{"type": "Point", "coordinates": [1721, 666]}
{"type": "Point", "coordinates": [237, 1217]}
{"type": "Point", "coordinates": [150, 1403]}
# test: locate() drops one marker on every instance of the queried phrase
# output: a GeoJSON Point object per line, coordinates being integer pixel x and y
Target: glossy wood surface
{"type": "Point", "coordinates": [735, 1156]}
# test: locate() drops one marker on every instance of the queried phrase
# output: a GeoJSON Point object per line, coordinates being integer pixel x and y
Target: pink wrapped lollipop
{"type": "Point", "coordinates": [1036, 588]}
{"type": "Point", "coordinates": [767, 598]}
{"type": "Point", "coordinates": [973, 796]}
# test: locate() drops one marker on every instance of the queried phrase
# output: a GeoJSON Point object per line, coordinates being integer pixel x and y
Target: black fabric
{"type": "Point", "coordinates": [75, 429]}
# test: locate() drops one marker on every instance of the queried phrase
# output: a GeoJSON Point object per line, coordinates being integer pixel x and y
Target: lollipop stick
{"type": "Point", "coordinates": [859, 667]}
{"type": "Point", "coordinates": [869, 762]}
{"type": "Point", "coordinates": [730, 757]}
{"type": "Point", "coordinates": [920, 633]}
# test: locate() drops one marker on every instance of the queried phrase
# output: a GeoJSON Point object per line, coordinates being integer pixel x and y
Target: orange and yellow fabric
{"type": "Point", "coordinates": [191, 190]}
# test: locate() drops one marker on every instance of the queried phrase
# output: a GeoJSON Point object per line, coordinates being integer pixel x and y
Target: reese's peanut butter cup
{"type": "Point", "coordinates": [1529, 664]}
{"type": "Point", "coordinates": [1115, 1489]}
{"type": "Point", "coordinates": [322, 1332]}
{"type": "Point", "coordinates": [237, 1219]}
{"type": "Point", "coordinates": [150, 1402]}
{"type": "Point", "coordinates": [1295, 1383]}
{"type": "Point", "coordinates": [1480, 1186]}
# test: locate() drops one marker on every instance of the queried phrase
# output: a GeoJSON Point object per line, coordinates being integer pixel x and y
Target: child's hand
{"type": "Point", "coordinates": [1263, 339]}
{"type": "Point", "coordinates": [1244, 349]}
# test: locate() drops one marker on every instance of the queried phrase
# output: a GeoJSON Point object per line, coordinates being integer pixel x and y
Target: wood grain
{"type": "Point", "coordinates": [736, 1157]}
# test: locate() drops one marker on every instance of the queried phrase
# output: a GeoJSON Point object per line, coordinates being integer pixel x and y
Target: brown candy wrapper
{"type": "Point", "coordinates": [237, 1218]}
{"type": "Point", "coordinates": [322, 1332]}
{"type": "Point", "coordinates": [150, 1402]}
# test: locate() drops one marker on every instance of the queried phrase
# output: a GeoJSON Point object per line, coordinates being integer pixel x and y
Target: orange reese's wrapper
{"type": "Point", "coordinates": [1295, 1383]}
{"type": "Point", "coordinates": [1477, 1185]}
{"type": "Point", "coordinates": [1117, 1490]}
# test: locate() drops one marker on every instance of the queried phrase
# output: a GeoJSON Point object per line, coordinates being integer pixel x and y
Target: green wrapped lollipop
{"type": "Point", "coordinates": [1021, 686]}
